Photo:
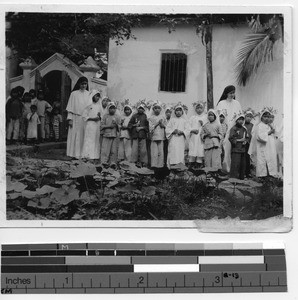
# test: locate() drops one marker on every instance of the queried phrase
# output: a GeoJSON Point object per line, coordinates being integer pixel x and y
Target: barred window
{"type": "Point", "coordinates": [173, 72]}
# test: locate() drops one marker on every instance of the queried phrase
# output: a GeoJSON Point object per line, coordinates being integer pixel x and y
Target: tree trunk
{"type": "Point", "coordinates": [209, 67]}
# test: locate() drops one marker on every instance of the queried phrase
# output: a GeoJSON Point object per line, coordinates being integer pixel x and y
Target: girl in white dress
{"type": "Point", "coordinates": [177, 132]}
{"type": "Point", "coordinates": [157, 125]}
{"type": "Point", "coordinates": [33, 122]}
{"type": "Point", "coordinates": [196, 145]}
{"type": "Point", "coordinates": [262, 147]}
{"type": "Point", "coordinates": [78, 100]}
{"type": "Point", "coordinates": [124, 151]}
{"type": "Point", "coordinates": [92, 116]}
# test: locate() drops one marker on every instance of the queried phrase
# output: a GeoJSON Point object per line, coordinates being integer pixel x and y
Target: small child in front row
{"type": "Point", "coordinates": [124, 150]}
{"type": "Point", "coordinates": [238, 138]}
{"type": "Point", "coordinates": [110, 127]}
{"type": "Point", "coordinates": [168, 113]}
{"type": "Point", "coordinates": [33, 122]}
{"type": "Point", "coordinates": [157, 130]}
{"type": "Point", "coordinates": [56, 124]}
{"type": "Point", "coordinates": [138, 126]}
{"type": "Point", "coordinates": [212, 135]}
{"type": "Point", "coordinates": [177, 132]}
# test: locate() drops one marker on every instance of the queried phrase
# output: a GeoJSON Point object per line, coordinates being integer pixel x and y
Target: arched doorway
{"type": "Point", "coordinates": [57, 87]}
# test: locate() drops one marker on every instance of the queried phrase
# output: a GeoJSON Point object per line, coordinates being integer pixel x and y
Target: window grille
{"type": "Point", "coordinates": [173, 72]}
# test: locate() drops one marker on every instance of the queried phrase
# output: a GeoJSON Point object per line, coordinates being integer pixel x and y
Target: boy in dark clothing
{"type": "Point", "coordinates": [139, 127]}
{"type": "Point", "coordinates": [248, 125]}
{"type": "Point", "coordinates": [238, 138]}
{"type": "Point", "coordinates": [14, 111]}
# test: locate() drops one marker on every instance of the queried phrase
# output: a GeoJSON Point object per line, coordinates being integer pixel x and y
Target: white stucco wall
{"type": "Point", "coordinates": [134, 67]}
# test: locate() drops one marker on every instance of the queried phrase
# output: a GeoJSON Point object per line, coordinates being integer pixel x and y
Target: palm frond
{"type": "Point", "coordinates": [256, 50]}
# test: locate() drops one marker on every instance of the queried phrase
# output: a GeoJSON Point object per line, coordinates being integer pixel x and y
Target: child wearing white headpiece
{"type": "Point", "coordinates": [157, 126]}
{"type": "Point", "coordinates": [196, 145]}
{"type": "Point", "coordinates": [262, 147]}
{"type": "Point", "coordinates": [168, 114]}
{"type": "Point", "coordinates": [138, 126]}
{"type": "Point", "coordinates": [177, 133]}
{"type": "Point", "coordinates": [124, 150]}
{"type": "Point", "coordinates": [110, 124]}
{"type": "Point", "coordinates": [212, 136]}
{"type": "Point", "coordinates": [92, 116]}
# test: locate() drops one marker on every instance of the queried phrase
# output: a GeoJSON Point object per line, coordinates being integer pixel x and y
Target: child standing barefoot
{"type": "Point", "coordinates": [124, 150]}
{"type": "Point", "coordinates": [168, 113]}
{"type": "Point", "coordinates": [138, 126]}
{"type": "Point", "coordinates": [110, 125]}
{"type": "Point", "coordinates": [177, 132]}
{"type": "Point", "coordinates": [33, 122]}
{"type": "Point", "coordinates": [56, 124]}
{"type": "Point", "coordinates": [249, 114]}
{"type": "Point", "coordinates": [196, 146]}
{"type": "Point", "coordinates": [212, 136]}
{"type": "Point", "coordinates": [91, 115]}
{"type": "Point", "coordinates": [262, 147]}
{"type": "Point", "coordinates": [157, 131]}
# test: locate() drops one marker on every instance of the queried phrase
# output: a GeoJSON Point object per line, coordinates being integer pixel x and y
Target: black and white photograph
{"type": "Point", "coordinates": [148, 116]}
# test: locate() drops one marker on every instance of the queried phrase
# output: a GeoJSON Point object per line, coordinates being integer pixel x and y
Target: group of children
{"type": "Point", "coordinates": [161, 137]}
{"type": "Point", "coordinates": [30, 118]}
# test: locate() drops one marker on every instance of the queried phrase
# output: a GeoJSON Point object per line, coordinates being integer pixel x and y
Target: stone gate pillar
{"type": "Point", "coordinates": [28, 65]}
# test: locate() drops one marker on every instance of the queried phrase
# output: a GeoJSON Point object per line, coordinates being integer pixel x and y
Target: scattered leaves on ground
{"type": "Point", "coordinates": [63, 190]}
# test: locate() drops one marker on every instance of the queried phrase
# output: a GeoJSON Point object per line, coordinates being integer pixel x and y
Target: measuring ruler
{"type": "Point", "coordinates": [103, 268]}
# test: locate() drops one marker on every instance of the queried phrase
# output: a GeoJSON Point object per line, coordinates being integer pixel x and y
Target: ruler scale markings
{"type": "Point", "coordinates": [233, 277]}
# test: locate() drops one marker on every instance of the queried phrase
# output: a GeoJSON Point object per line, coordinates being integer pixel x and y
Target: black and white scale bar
{"type": "Point", "coordinates": [143, 268]}
{"type": "Point", "coordinates": [106, 282]}
{"type": "Point", "coordinates": [111, 252]}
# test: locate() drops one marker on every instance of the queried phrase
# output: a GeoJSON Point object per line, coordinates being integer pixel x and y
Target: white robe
{"type": "Point", "coordinates": [263, 150]}
{"type": "Point", "coordinates": [92, 131]}
{"type": "Point", "coordinates": [232, 107]}
{"type": "Point", "coordinates": [176, 146]}
{"type": "Point", "coordinates": [196, 145]}
{"type": "Point", "coordinates": [78, 100]}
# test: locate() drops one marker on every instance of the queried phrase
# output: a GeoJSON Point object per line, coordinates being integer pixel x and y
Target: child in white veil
{"type": "Point", "coordinates": [124, 150]}
{"type": "Point", "coordinates": [177, 132]}
{"type": "Point", "coordinates": [262, 146]}
{"type": "Point", "coordinates": [212, 136]}
{"type": "Point", "coordinates": [157, 125]}
{"type": "Point", "coordinates": [196, 146]}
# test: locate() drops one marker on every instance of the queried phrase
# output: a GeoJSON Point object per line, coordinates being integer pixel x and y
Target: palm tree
{"type": "Point", "coordinates": [204, 28]}
{"type": "Point", "coordinates": [257, 48]}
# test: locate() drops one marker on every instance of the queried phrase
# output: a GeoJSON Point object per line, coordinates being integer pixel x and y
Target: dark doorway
{"type": "Point", "coordinates": [52, 85]}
